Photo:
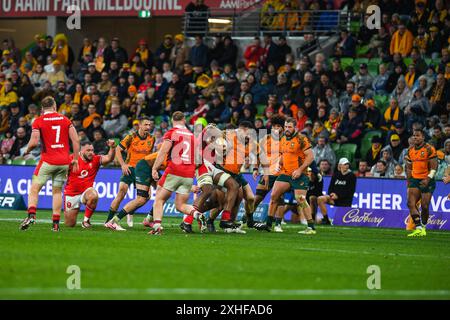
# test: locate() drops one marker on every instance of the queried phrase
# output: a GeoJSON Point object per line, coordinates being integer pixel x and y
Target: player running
{"type": "Point", "coordinates": [80, 184]}
{"type": "Point", "coordinates": [296, 156]}
{"type": "Point", "coordinates": [136, 145]}
{"type": "Point", "coordinates": [144, 181]}
{"type": "Point", "coordinates": [421, 166]}
{"type": "Point", "coordinates": [269, 158]}
{"type": "Point", "coordinates": [54, 130]}
{"type": "Point", "coordinates": [178, 147]}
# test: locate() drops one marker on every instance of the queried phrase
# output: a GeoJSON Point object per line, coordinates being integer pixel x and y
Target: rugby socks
{"type": "Point", "coordinates": [188, 218]}
{"type": "Point", "coordinates": [417, 222]}
{"type": "Point", "coordinates": [325, 218]}
{"type": "Point", "coordinates": [56, 217]}
{"type": "Point", "coordinates": [226, 215]}
{"type": "Point", "coordinates": [88, 213]}
{"type": "Point", "coordinates": [311, 223]}
{"type": "Point", "coordinates": [111, 214]}
{"type": "Point", "coordinates": [32, 212]}
{"type": "Point", "coordinates": [122, 214]}
{"type": "Point", "coordinates": [278, 221]}
{"type": "Point", "coordinates": [270, 220]}
{"type": "Point", "coordinates": [150, 214]}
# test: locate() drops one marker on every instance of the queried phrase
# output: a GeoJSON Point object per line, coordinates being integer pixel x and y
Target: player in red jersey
{"type": "Point", "coordinates": [80, 184]}
{"type": "Point", "coordinates": [178, 177]}
{"type": "Point", "coordinates": [54, 130]}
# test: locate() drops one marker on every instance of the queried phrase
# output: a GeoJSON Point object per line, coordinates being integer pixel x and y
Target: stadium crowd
{"type": "Point", "coordinates": [361, 103]}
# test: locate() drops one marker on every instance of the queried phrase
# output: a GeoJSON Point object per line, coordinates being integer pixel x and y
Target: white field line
{"type": "Point", "coordinates": [238, 292]}
{"type": "Point", "coordinates": [356, 252]}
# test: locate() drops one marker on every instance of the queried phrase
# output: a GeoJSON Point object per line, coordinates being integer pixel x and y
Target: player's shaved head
{"type": "Point", "coordinates": [48, 103]}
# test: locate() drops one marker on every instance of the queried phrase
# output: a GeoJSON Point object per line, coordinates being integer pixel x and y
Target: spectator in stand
{"type": "Point", "coordinates": [402, 41]}
{"type": "Point", "coordinates": [379, 83]}
{"type": "Point", "coordinates": [396, 146]}
{"type": "Point", "coordinates": [116, 123]}
{"type": "Point", "coordinates": [351, 128]}
{"type": "Point", "coordinates": [438, 138]}
{"type": "Point", "coordinates": [392, 115]}
{"type": "Point", "coordinates": [388, 157]}
{"type": "Point", "coordinates": [8, 95]}
{"type": "Point", "coordinates": [199, 53]}
{"type": "Point", "coordinates": [379, 170]}
{"type": "Point", "coordinates": [373, 117]}
{"type": "Point", "coordinates": [399, 172]}
{"type": "Point", "coordinates": [20, 142]}
{"type": "Point", "coordinates": [439, 94]}
{"type": "Point", "coordinates": [346, 46]}
{"type": "Point", "coordinates": [363, 78]}
{"type": "Point", "coordinates": [114, 52]}
{"type": "Point", "coordinates": [254, 53]}
{"type": "Point", "coordinates": [180, 52]}
{"type": "Point", "coordinates": [363, 169]}
{"type": "Point", "coordinates": [341, 190]}
{"type": "Point", "coordinates": [325, 167]}
{"type": "Point", "coordinates": [322, 150]}
{"type": "Point", "coordinates": [374, 153]}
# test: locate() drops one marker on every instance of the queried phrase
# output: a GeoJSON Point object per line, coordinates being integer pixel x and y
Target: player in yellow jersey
{"type": "Point", "coordinates": [136, 145]}
{"type": "Point", "coordinates": [269, 160]}
{"type": "Point", "coordinates": [296, 157]}
{"type": "Point", "coordinates": [421, 166]}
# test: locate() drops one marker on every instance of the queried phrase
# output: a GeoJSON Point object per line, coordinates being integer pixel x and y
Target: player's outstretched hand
{"type": "Point", "coordinates": [126, 170]}
{"type": "Point", "coordinates": [111, 143]}
{"type": "Point", "coordinates": [155, 175]}
{"type": "Point", "coordinates": [74, 164]}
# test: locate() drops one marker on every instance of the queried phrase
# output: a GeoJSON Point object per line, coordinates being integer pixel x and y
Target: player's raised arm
{"type": "Point", "coordinates": [110, 156]}
{"type": "Point", "coordinates": [162, 154]}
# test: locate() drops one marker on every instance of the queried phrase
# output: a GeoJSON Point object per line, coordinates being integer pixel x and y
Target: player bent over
{"type": "Point", "coordinates": [54, 130]}
{"type": "Point", "coordinates": [136, 145]}
{"type": "Point", "coordinates": [178, 147]}
{"type": "Point", "coordinates": [144, 181]}
{"type": "Point", "coordinates": [80, 184]}
{"type": "Point", "coordinates": [295, 149]}
{"type": "Point", "coordinates": [421, 166]}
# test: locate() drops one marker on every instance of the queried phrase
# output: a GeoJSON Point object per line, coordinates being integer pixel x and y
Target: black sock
{"type": "Point", "coordinates": [249, 218]}
{"type": "Point", "coordinates": [416, 219]}
{"type": "Point", "coordinates": [278, 221]}
{"type": "Point", "coordinates": [122, 214]}
{"type": "Point", "coordinates": [151, 212]}
{"type": "Point", "coordinates": [111, 214]}
{"type": "Point", "coordinates": [325, 218]}
{"type": "Point", "coordinates": [311, 224]}
{"type": "Point", "coordinates": [425, 216]}
{"type": "Point", "coordinates": [270, 220]}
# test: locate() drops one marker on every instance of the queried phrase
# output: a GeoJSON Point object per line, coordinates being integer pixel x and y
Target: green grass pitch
{"type": "Point", "coordinates": [133, 265]}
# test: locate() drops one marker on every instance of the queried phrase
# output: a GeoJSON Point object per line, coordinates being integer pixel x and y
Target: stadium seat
{"type": "Point", "coordinates": [260, 109]}
{"type": "Point", "coordinates": [362, 50]}
{"type": "Point", "coordinates": [407, 61]}
{"type": "Point", "coordinates": [31, 162]}
{"type": "Point", "coordinates": [335, 147]}
{"type": "Point", "coordinates": [158, 120]}
{"type": "Point", "coordinates": [375, 61]}
{"type": "Point", "coordinates": [355, 26]}
{"type": "Point", "coordinates": [19, 162]}
{"type": "Point", "coordinates": [358, 61]}
{"type": "Point", "coordinates": [117, 141]}
{"type": "Point", "coordinates": [381, 101]}
{"type": "Point", "coordinates": [347, 150]}
{"type": "Point", "coordinates": [436, 62]}
{"type": "Point", "coordinates": [345, 62]}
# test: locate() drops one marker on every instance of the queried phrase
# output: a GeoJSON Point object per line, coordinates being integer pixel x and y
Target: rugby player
{"type": "Point", "coordinates": [296, 157]}
{"type": "Point", "coordinates": [80, 184]}
{"type": "Point", "coordinates": [136, 146]}
{"type": "Point", "coordinates": [144, 181]}
{"type": "Point", "coordinates": [218, 189]}
{"type": "Point", "coordinates": [178, 147]}
{"type": "Point", "coordinates": [421, 167]}
{"type": "Point", "coordinates": [269, 158]}
{"type": "Point", "coordinates": [240, 145]}
{"type": "Point", "coordinates": [54, 130]}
